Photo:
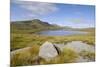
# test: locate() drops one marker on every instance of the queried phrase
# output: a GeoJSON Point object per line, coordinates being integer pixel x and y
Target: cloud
{"type": "Point", "coordinates": [82, 22]}
{"type": "Point", "coordinates": [77, 20]}
{"type": "Point", "coordinates": [36, 8]}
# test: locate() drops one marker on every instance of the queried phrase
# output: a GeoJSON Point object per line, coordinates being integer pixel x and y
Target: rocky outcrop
{"type": "Point", "coordinates": [48, 51]}
{"type": "Point", "coordinates": [79, 46]}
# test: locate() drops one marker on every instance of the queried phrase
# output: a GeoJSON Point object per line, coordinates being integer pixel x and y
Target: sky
{"type": "Point", "coordinates": [73, 15]}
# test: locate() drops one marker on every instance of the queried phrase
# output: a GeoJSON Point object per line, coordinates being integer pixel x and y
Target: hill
{"type": "Point", "coordinates": [31, 26]}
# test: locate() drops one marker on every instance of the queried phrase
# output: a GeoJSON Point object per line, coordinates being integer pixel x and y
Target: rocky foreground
{"type": "Point", "coordinates": [75, 51]}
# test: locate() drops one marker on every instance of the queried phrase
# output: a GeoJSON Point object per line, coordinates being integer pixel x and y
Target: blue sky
{"type": "Point", "coordinates": [78, 16]}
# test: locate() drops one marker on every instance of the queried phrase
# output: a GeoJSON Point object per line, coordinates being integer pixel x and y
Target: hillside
{"type": "Point", "coordinates": [31, 26]}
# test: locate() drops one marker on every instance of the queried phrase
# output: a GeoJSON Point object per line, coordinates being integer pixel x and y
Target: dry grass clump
{"type": "Point", "coordinates": [25, 57]}
{"type": "Point", "coordinates": [67, 56]}
{"type": "Point", "coordinates": [88, 55]}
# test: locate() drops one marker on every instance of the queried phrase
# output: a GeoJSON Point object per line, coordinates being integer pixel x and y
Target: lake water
{"type": "Point", "coordinates": [60, 32]}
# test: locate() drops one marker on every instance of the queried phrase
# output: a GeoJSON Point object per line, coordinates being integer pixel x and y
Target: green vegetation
{"type": "Point", "coordinates": [24, 40]}
{"type": "Point", "coordinates": [31, 26]}
{"type": "Point", "coordinates": [23, 34]}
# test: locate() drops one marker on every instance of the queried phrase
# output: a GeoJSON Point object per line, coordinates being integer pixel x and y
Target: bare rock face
{"type": "Point", "coordinates": [48, 51]}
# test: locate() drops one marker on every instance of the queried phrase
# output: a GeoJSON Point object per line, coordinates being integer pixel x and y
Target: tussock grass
{"type": "Point", "coordinates": [25, 57]}
{"type": "Point", "coordinates": [67, 56]}
{"type": "Point", "coordinates": [88, 55]}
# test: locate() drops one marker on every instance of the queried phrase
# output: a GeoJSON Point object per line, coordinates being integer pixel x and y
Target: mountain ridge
{"type": "Point", "coordinates": [35, 25]}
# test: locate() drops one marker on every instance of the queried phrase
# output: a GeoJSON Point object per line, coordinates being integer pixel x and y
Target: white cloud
{"type": "Point", "coordinates": [36, 8]}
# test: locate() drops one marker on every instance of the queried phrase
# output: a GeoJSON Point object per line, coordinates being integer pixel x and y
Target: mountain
{"type": "Point", "coordinates": [31, 26]}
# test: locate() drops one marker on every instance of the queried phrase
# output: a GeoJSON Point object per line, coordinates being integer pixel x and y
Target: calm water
{"type": "Point", "coordinates": [60, 32]}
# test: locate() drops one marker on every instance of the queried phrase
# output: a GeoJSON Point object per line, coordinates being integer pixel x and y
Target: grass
{"type": "Point", "coordinates": [66, 56]}
{"type": "Point", "coordinates": [88, 55]}
{"type": "Point", "coordinates": [23, 40]}
{"type": "Point", "coordinates": [26, 57]}
{"type": "Point", "coordinates": [30, 57]}
{"type": "Point", "coordinates": [69, 55]}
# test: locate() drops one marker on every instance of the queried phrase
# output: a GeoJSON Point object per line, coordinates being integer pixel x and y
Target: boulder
{"type": "Point", "coordinates": [59, 47]}
{"type": "Point", "coordinates": [48, 51]}
{"type": "Point", "coordinates": [79, 46]}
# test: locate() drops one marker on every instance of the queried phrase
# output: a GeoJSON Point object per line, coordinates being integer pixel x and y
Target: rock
{"type": "Point", "coordinates": [79, 46]}
{"type": "Point", "coordinates": [48, 51]}
{"type": "Point", "coordinates": [59, 47]}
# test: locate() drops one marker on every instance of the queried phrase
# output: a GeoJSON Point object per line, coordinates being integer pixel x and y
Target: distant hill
{"type": "Point", "coordinates": [90, 29]}
{"type": "Point", "coordinates": [31, 26]}
{"type": "Point", "coordinates": [36, 25]}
